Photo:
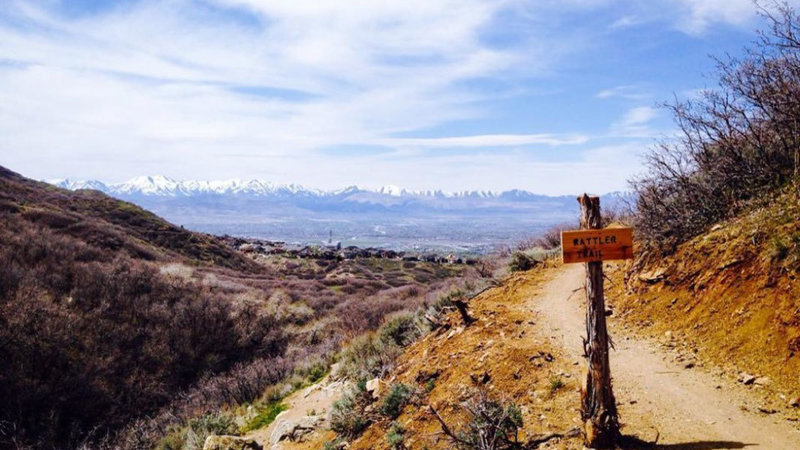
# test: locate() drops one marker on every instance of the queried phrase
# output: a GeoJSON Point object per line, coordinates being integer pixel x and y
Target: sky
{"type": "Point", "coordinates": [554, 97]}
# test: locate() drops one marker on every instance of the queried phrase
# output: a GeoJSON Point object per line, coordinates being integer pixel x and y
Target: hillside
{"type": "Point", "coordinates": [119, 328]}
{"type": "Point", "coordinates": [730, 295]}
{"type": "Point", "coordinates": [110, 224]}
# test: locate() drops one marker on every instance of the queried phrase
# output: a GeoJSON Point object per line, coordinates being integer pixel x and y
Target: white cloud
{"type": "Point", "coordinates": [258, 88]}
{"type": "Point", "coordinates": [161, 82]}
{"type": "Point", "coordinates": [639, 115]}
{"type": "Point", "coordinates": [489, 140]}
{"type": "Point", "coordinates": [698, 15]}
{"type": "Point", "coordinates": [628, 92]}
{"type": "Point", "coordinates": [626, 21]}
{"type": "Point", "coordinates": [636, 123]}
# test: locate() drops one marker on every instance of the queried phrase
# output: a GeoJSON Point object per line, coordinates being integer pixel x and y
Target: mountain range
{"type": "Point", "coordinates": [159, 186]}
{"type": "Point", "coordinates": [390, 216]}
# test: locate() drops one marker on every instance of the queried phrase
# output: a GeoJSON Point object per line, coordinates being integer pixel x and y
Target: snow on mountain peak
{"type": "Point", "coordinates": [75, 185]}
{"type": "Point", "coordinates": [160, 185]}
{"type": "Point", "coordinates": [390, 189]}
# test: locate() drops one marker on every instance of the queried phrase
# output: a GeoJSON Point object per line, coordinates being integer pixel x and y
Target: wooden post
{"type": "Point", "coordinates": [598, 407]}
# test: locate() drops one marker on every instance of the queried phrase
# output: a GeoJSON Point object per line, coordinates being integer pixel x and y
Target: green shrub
{"type": "Point", "coordinates": [400, 329]}
{"type": "Point", "coordinates": [556, 383]}
{"type": "Point", "coordinates": [779, 248]}
{"type": "Point", "coordinates": [521, 262]}
{"type": "Point", "coordinates": [430, 384]}
{"type": "Point", "coordinates": [396, 435]}
{"type": "Point", "coordinates": [202, 427]}
{"type": "Point", "coordinates": [317, 372]}
{"type": "Point", "coordinates": [175, 439]}
{"type": "Point", "coordinates": [397, 398]}
{"type": "Point", "coordinates": [266, 415]}
{"type": "Point", "coordinates": [348, 414]}
{"type": "Point", "coordinates": [368, 357]}
{"type": "Point", "coordinates": [444, 303]}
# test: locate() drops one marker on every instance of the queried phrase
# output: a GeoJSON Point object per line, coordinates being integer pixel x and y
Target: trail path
{"type": "Point", "coordinates": [689, 408]}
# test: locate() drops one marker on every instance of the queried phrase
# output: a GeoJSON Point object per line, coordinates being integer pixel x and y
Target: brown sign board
{"type": "Point", "coordinates": [596, 245]}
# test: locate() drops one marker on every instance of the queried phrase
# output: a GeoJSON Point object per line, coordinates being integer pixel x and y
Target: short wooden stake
{"type": "Point", "coordinates": [598, 407]}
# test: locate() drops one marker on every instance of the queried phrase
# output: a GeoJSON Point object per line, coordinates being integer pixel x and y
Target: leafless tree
{"type": "Point", "coordinates": [737, 142]}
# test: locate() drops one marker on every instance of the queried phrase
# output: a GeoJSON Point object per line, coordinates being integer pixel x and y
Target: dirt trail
{"type": "Point", "coordinates": [689, 408]}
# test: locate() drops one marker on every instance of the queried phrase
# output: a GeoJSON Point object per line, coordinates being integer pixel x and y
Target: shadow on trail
{"type": "Point", "coordinates": [633, 442]}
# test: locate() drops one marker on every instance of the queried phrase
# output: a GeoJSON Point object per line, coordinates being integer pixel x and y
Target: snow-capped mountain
{"type": "Point", "coordinates": [162, 186]}
{"type": "Point", "coordinates": [237, 201]}
{"type": "Point", "coordinates": [405, 218]}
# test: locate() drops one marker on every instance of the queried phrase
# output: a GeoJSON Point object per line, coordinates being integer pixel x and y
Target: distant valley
{"type": "Point", "coordinates": [390, 217]}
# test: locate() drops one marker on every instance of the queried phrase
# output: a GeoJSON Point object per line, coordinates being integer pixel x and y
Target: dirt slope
{"type": "Point", "coordinates": [689, 407]}
{"type": "Point", "coordinates": [731, 295]}
{"type": "Point", "coordinates": [528, 334]}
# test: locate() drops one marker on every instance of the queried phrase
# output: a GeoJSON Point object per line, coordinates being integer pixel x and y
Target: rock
{"type": "Point", "coordinates": [374, 387]}
{"type": "Point", "coordinates": [729, 263]}
{"type": "Point", "coordinates": [795, 402]}
{"type": "Point", "coordinates": [668, 334]}
{"type": "Point", "coordinates": [480, 378]}
{"type": "Point", "coordinates": [294, 429]}
{"type": "Point", "coordinates": [653, 276]}
{"type": "Point", "coordinates": [746, 378]}
{"type": "Point", "coordinates": [761, 381]}
{"type": "Point", "coordinates": [335, 370]}
{"type": "Point", "coordinates": [215, 442]}
{"type": "Point", "coordinates": [688, 365]}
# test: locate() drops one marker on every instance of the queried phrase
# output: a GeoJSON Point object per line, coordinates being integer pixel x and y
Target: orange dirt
{"type": "Point", "coordinates": [503, 344]}
{"type": "Point", "coordinates": [730, 298]}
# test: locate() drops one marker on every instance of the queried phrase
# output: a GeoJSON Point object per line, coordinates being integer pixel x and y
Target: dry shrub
{"type": "Point", "coordinates": [491, 425]}
{"type": "Point", "coordinates": [89, 345]}
{"type": "Point", "coordinates": [738, 142]}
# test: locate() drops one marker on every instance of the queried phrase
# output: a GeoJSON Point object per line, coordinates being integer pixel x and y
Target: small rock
{"type": "Point", "coordinates": [688, 365]}
{"type": "Point", "coordinates": [653, 276]}
{"type": "Point", "coordinates": [294, 430]}
{"type": "Point", "coordinates": [480, 378]}
{"type": "Point", "coordinates": [766, 410]}
{"type": "Point", "coordinates": [761, 381]}
{"type": "Point", "coordinates": [746, 378]}
{"type": "Point", "coordinates": [668, 334]}
{"type": "Point", "coordinates": [215, 442]}
{"type": "Point", "coordinates": [795, 402]}
{"type": "Point", "coordinates": [374, 387]}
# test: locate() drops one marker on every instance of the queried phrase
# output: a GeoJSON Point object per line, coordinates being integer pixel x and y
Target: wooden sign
{"type": "Point", "coordinates": [596, 245]}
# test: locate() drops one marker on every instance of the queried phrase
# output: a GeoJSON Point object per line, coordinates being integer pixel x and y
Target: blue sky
{"type": "Point", "coordinates": [551, 96]}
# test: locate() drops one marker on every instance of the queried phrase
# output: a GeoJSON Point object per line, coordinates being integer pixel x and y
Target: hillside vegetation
{"type": "Point", "coordinates": [738, 143]}
{"type": "Point", "coordinates": [117, 328]}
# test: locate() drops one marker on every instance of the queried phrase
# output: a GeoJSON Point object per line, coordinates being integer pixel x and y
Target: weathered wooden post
{"type": "Point", "coordinates": [592, 245]}
{"type": "Point", "coordinates": [598, 407]}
